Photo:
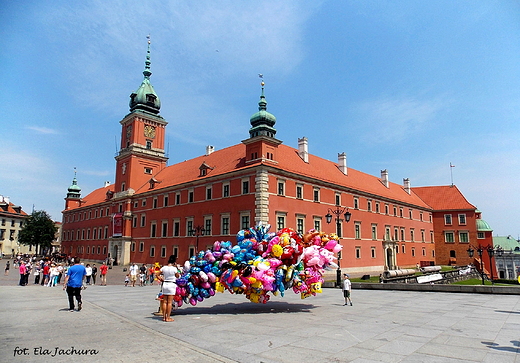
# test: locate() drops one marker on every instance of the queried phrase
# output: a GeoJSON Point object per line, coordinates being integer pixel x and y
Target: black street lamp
{"type": "Point", "coordinates": [338, 212]}
{"type": "Point", "coordinates": [491, 252]}
{"type": "Point", "coordinates": [197, 231]}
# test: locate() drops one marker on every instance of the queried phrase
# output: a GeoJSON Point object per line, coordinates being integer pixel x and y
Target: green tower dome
{"type": "Point", "coordinates": [74, 190]}
{"type": "Point", "coordinates": [145, 99]}
{"type": "Point", "coordinates": [483, 226]}
{"type": "Point", "coordinates": [262, 122]}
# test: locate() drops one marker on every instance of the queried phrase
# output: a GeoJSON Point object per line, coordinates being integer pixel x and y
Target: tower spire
{"type": "Point", "coordinates": [145, 99]}
{"type": "Point", "coordinates": [74, 190]}
{"type": "Point", "coordinates": [262, 122]}
{"type": "Point", "coordinates": [147, 73]}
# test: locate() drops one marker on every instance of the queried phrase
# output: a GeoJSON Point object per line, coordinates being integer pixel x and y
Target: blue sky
{"type": "Point", "coordinates": [407, 86]}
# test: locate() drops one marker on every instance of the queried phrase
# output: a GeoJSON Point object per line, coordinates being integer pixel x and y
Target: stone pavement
{"type": "Point", "coordinates": [117, 325]}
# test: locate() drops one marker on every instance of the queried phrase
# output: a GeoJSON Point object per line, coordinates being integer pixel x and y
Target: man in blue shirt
{"type": "Point", "coordinates": [74, 283]}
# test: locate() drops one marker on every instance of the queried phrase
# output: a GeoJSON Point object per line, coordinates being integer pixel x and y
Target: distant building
{"type": "Point", "coordinates": [457, 225]}
{"type": "Point", "coordinates": [12, 218]}
{"type": "Point", "coordinates": [508, 264]}
{"type": "Point", "coordinates": [154, 210]}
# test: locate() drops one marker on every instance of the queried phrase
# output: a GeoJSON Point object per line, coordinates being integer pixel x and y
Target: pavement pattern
{"type": "Point", "coordinates": [117, 324]}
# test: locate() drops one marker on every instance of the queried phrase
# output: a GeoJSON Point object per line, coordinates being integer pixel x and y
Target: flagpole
{"type": "Point", "coordinates": [451, 172]}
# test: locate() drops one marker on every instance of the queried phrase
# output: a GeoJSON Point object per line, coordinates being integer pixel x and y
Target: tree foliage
{"type": "Point", "coordinates": [38, 230]}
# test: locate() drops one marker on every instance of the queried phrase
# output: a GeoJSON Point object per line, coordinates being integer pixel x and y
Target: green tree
{"type": "Point", "coordinates": [38, 230]}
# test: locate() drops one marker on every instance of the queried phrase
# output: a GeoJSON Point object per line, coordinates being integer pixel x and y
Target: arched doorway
{"type": "Point", "coordinates": [115, 255]}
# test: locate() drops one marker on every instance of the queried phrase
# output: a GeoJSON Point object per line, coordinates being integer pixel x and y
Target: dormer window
{"type": "Point", "coordinates": [150, 98]}
{"type": "Point", "coordinates": [152, 182]}
{"type": "Point", "coordinates": [204, 169]}
{"type": "Point", "coordinates": [109, 194]}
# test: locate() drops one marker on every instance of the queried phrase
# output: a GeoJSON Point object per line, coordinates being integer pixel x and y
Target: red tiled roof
{"type": "Point", "coordinates": [96, 196]}
{"type": "Point", "coordinates": [9, 208]}
{"type": "Point", "coordinates": [233, 158]}
{"type": "Point", "coordinates": [221, 161]}
{"type": "Point", "coordinates": [443, 197]}
{"type": "Point", "coordinates": [328, 171]}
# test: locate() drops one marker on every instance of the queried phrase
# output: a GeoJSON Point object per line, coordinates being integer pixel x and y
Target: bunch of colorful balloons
{"type": "Point", "coordinates": [260, 263]}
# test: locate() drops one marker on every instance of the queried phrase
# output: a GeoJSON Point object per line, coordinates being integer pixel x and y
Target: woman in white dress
{"type": "Point", "coordinates": [168, 275]}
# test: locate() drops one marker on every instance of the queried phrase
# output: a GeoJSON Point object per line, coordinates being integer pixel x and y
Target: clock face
{"type": "Point", "coordinates": [149, 131]}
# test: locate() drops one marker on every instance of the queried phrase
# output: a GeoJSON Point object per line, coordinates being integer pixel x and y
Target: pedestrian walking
{"type": "Point", "coordinates": [89, 273]}
{"type": "Point", "coordinates": [142, 275]}
{"type": "Point", "coordinates": [7, 267]}
{"type": "Point", "coordinates": [347, 287]}
{"type": "Point", "coordinates": [103, 269]}
{"type": "Point", "coordinates": [94, 273]}
{"type": "Point", "coordinates": [74, 283]}
{"type": "Point", "coordinates": [134, 270]}
{"type": "Point", "coordinates": [22, 270]}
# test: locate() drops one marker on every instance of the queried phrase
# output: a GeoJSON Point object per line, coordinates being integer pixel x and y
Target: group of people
{"type": "Point", "coordinates": [144, 274]}
{"type": "Point", "coordinates": [49, 272]}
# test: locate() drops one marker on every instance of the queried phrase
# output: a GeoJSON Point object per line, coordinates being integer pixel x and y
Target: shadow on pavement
{"type": "Point", "coordinates": [274, 307]}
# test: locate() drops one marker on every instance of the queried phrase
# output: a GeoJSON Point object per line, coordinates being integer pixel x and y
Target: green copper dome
{"type": "Point", "coordinates": [145, 98]}
{"type": "Point", "coordinates": [483, 226]}
{"type": "Point", "coordinates": [262, 122]}
{"type": "Point", "coordinates": [74, 190]}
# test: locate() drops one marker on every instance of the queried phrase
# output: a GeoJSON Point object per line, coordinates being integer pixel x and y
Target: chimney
{"type": "Point", "coordinates": [406, 183]}
{"type": "Point", "coordinates": [107, 183]}
{"type": "Point", "coordinates": [303, 149]}
{"type": "Point", "coordinates": [384, 178]}
{"type": "Point", "coordinates": [342, 163]}
{"type": "Point", "coordinates": [7, 200]}
{"type": "Point", "coordinates": [209, 149]}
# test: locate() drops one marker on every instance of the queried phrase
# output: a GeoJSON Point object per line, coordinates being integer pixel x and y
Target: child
{"type": "Point", "coordinates": [127, 280]}
{"type": "Point", "coordinates": [141, 279]}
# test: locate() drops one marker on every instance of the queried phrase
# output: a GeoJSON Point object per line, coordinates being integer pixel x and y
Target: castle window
{"type": "Point", "coordinates": [164, 229]}
{"type": "Point", "coordinates": [225, 225]}
{"type": "Point", "coordinates": [148, 144]}
{"type": "Point", "coordinates": [299, 191]}
{"type": "Point", "coordinates": [176, 228]}
{"type": "Point", "coordinates": [225, 190]}
{"type": "Point", "coordinates": [163, 251]}
{"type": "Point", "coordinates": [462, 219]}
{"type": "Point", "coordinates": [148, 170]}
{"type": "Point", "coordinates": [281, 187]}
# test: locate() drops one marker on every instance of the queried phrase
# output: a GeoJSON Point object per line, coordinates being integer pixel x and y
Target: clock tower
{"type": "Point", "coordinates": [142, 137]}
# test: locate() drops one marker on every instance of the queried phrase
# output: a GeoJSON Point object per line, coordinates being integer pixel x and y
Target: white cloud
{"type": "Point", "coordinates": [42, 130]}
{"type": "Point", "coordinates": [105, 39]}
{"type": "Point", "coordinates": [396, 119]}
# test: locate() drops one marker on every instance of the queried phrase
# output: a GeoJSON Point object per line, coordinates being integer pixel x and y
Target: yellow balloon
{"type": "Point", "coordinates": [277, 250]}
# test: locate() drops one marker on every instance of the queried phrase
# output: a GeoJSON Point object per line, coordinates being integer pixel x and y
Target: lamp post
{"type": "Point", "coordinates": [338, 212]}
{"type": "Point", "coordinates": [197, 231]}
{"type": "Point", "coordinates": [491, 252]}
